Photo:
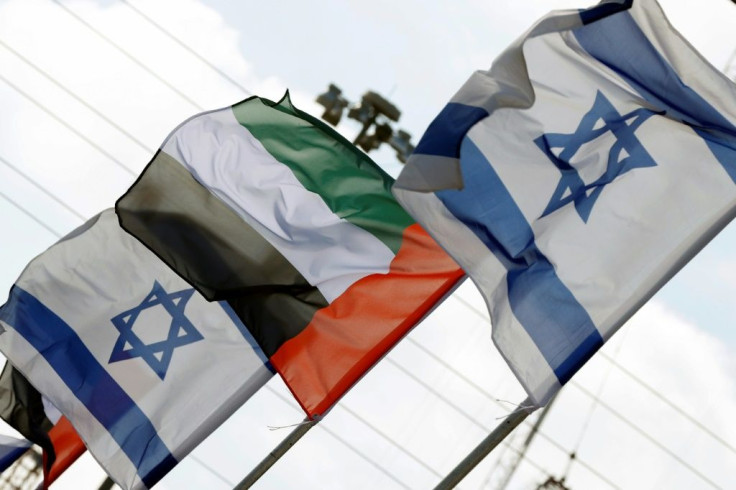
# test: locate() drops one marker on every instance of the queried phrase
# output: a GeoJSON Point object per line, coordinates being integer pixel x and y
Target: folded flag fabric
{"type": "Point", "coordinates": [575, 177]}
{"type": "Point", "coordinates": [11, 449]}
{"type": "Point", "coordinates": [269, 210]}
{"type": "Point", "coordinates": [37, 419]}
{"type": "Point", "coordinates": [142, 365]}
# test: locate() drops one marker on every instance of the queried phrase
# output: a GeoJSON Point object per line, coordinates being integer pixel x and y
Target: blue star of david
{"type": "Point", "coordinates": [571, 187]}
{"type": "Point", "coordinates": [158, 354]}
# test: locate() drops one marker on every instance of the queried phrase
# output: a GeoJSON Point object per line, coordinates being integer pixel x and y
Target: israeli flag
{"type": "Point", "coordinates": [142, 365]}
{"type": "Point", "coordinates": [575, 177]}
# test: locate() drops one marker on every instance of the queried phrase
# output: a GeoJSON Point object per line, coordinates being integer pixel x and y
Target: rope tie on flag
{"type": "Point", "coordinates": [520, 407]}
{"type": "Point", "coordinates": [313, 420]}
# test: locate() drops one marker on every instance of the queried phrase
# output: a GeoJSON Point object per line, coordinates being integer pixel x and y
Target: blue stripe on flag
{"type": "Point", "coordinates": [445, 134]}
{"type": "Point", "coordinates": [619, 43]}
{"type": "Point", "coordinates": [246, 335]}
{"type": "Point", "coordinates": [604, 10]}
{"type": "Point", "coordinates": [557, 323]}
{"type": "Point", "coordinates": [90, 382]}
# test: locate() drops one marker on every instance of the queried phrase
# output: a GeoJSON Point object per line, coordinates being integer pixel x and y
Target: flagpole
{"type": "Point", "coordinates": [276, 454]}
{"type": "Point", "coordinates": [486, 446]}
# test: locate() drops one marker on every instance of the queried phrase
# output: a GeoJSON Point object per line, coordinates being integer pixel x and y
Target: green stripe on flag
{"type": "Point", "coordinates": [350, 183]}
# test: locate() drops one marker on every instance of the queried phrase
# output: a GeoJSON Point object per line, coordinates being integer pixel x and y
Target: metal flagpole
{"type": "Point", "coordinates": [276, 454]}
{"type": "Point", "coordinates": [486, 446]}
{"type": "Point", "coordinates": [527, 442]}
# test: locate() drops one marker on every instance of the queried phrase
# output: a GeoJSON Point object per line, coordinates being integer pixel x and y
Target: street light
{"type": "Point", "coordinates": [370, 108]}
{"type": "Point", "coordinates": [373, 112]}
{"type": "Point", "coordinates": [401, 144]}
{"type": "Point", "coordinates": [381, 134]}
{"type": "Point", "coordinates": [334, 103]}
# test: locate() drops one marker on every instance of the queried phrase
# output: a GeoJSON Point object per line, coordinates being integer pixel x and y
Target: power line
{"type": "Point", "coordinates": [186, 47]}
{"type": "Point", "coordinates": [212, 471]}
{"type": "Point", "coordinates": [78, 98]}
{"type": "Point", "coordinates": [391, 441]}
{"type": "Point", "coordinates": [30, 215]}
{"type": "Point", "coordinates": [67, 125]}
{"type": "Point", "coordinates": [662, 398]}
{"type": "Point", "coordinates": [43, 189]}
{"type": "Point", "coordinates": [127, 54]}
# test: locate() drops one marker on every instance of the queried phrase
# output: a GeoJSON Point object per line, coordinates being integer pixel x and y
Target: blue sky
{"type": "Point", "coordinates": [412, 417]}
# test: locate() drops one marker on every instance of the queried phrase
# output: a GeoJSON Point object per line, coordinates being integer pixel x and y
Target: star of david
{"type": "Point", "coordinates": [626, 154]}
{"type": "Point", "coordinates": [158, 354]}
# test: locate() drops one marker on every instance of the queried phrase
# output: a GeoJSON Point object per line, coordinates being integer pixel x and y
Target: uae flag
{"type": "Point", "coordinates": [269, 210]}
{"type": "Point", "coordinates": [27, 411]}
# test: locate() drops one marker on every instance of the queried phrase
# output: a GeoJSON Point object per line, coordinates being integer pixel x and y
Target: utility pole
{"type": "Point", "coordinates": [372, 112]}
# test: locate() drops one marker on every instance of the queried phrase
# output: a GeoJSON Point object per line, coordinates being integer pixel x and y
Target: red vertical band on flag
{"type": "Point", "coordinates": [345, 339]}
{"type": "Point", "coordinates": [68, 448]}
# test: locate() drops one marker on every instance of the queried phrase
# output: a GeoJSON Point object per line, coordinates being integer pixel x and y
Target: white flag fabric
{"type": "Point", "coordinates": [139, 362]}
{"type": "Point", "coordinates": [575, 177]}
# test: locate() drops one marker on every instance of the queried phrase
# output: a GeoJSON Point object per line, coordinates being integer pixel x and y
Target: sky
{"type": "Point", "coordinates": [89, 90]}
